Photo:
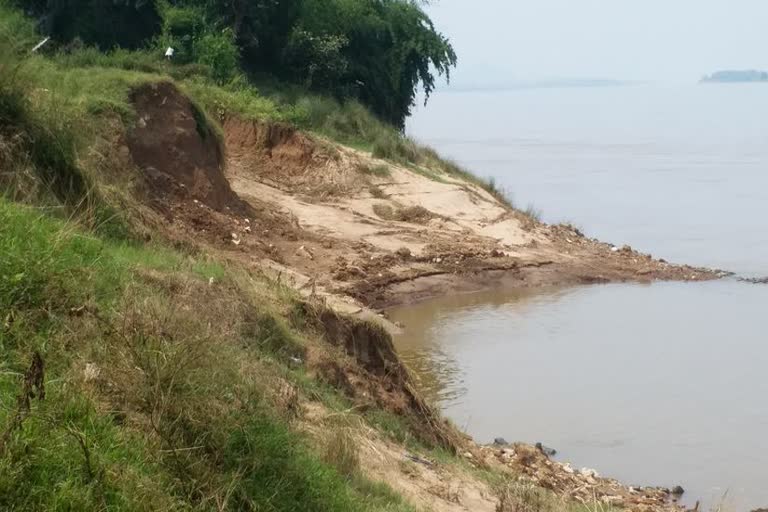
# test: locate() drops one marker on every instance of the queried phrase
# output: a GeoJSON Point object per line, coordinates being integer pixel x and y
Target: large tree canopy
{"type": "Point", "coordinates": [377, 51]}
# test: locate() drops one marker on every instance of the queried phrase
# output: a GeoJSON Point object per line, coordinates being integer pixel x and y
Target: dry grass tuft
{"type": "Point", "coordinates": [524, 497]}
{"type": "Point", "coordinates": [411, 214]}
{"type": "Point", "coordinates": [377, 192]}
{"type": "Point", "coordinates": [378, 170]}
{"type": "Point", "coordinates": [342, 452]}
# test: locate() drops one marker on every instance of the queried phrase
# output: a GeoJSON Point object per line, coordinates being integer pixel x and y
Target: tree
{"type": "Point", "coordinates": [379, 52]}
{"type": "Point", "coordinates": [103, 23]}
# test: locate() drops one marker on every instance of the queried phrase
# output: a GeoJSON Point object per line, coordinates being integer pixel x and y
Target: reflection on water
{"type": "Point", "coordinates": [655, 384]}
{"type": "Point", "coordinates": [426, 348]}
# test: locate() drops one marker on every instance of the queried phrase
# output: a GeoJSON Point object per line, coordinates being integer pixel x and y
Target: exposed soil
{"type": "Point", "coordinates": [305, 212]}
{"type": "Point", "coordinates": [177, 150]}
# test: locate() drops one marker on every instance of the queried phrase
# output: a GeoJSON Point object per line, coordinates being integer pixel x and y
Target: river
{"type": "Point", "coordinates": [660, 384]}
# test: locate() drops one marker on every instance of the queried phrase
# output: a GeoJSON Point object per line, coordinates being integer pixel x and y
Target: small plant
{"type": "Point", "coordinates": [523, 497]}
{"type": "Point", "coordinates": [384, 211]}
{"type": "Point", "coordinates": [379, 170]}
{"type": "Point", "coordinates": [341, 452]}
{"type": "Point", "coordinates": [414, 215]}
{"type": "Point", "coordinates": [378, 193]}
{"type": "Point", "coordinates": [533, 213]}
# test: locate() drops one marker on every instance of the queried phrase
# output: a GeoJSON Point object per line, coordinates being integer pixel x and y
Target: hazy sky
{"type": "Point", "coordinates": [672, 40]}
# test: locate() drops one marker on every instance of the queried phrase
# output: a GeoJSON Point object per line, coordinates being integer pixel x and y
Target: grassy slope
{"type": "Point", "coordinates": [161, 367]}
{"type": "Point", "coordinates": [148, 398]}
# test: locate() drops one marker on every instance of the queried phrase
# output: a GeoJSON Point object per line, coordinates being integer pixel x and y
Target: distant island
{"type": "Point", "coordinates": [749, 75]}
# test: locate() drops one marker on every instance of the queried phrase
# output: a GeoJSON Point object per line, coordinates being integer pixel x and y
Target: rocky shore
{"type": "Point", "coordinates": [583, 485]}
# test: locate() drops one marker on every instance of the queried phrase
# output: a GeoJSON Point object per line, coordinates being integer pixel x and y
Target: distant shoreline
{"type": "Point", "coordinates": [736, 77]}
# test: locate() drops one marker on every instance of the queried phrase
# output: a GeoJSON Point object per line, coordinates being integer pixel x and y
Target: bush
{"type": "Point", "coordinates": [219, 52]}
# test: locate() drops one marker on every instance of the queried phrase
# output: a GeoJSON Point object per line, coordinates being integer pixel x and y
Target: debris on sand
{"type": "Point", "coordinates": [584, 485]}
{"type": "Point", "coordinates": [549, 452]}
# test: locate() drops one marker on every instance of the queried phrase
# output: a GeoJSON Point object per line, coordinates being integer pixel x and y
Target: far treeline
{"type": "Point", "coordinates": [378, 52]}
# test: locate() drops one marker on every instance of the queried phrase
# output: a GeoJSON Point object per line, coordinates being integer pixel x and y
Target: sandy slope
{"type": "Point", "coordinates": [415, 232]}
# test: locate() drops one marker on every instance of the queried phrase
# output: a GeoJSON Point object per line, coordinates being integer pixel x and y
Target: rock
{"type": "Point", "coordinates": [500, 441]}
{"type": "Point", "coordinates": [306, 252]}
{"type": "Point", "coordinates": [589, 473]}
{"type": "Point", "coordinates": [91, 372]}
{"type": "Point", "coordinates": [468, 455]}
{"type": "Point", "coordinates": [678, 491]}
{"type": "Point", "coordinates": [761, 280]}
{"type": "Point", "coordinates": [549, 452]}
{"type": "Point", "coordinates": [404, 253]}
{"type": "Point", "coordinates": [614, 249]}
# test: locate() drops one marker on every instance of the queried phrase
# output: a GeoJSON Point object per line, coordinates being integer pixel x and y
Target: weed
{"type": "Point", "coordinates": [412, 214]}
{"type": "Point", "coordinates": [378, 170]}
{"type": "Point", "coordinates": [377, 192]}
{"type": "Point", "coordinates": [384, 211]}
{"type": "Point", "coordinates": [522, 497]}
{"type": "Point", "coordinates": [341, 451]}
{"type": "Point", "coordinates": [270, 334]}
{"type": "Point", "coordinates": [533, 213]}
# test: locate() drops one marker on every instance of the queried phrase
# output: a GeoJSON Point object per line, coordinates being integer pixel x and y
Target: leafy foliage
{"type": "Point", "coordinates": [379, 52]}
{"type": "Point", "coordinates": [106, 24]}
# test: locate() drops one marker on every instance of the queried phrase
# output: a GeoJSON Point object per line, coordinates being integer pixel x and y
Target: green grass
{"type": "Point", "coordinates": [171, 420]}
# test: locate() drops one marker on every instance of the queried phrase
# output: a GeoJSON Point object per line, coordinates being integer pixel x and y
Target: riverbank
{"type": "Point", "coordinates": [292, 243]}
{"type": "Point", "coordinates": [372, 233]}
{"type": "Point", "coordinates": [363, 234]}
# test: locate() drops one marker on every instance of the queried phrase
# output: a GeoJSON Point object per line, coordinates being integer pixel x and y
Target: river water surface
{"type": "Point", "coordinates": [660, 384]}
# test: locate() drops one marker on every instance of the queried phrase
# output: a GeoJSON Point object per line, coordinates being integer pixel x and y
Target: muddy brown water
{"type": "Point", "coordinates": [661, 384]}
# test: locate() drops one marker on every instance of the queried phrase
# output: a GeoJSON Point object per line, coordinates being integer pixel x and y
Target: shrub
{"type": "Point", "coordinates": [219, 52]}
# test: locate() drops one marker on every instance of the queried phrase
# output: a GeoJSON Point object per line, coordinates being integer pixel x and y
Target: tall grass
{"type": "Point", "coordinates": [156, 384]}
